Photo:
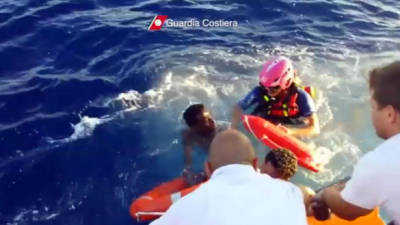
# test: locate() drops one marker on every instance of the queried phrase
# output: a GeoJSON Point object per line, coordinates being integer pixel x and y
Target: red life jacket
{"type": "Point", "coordinates": [286, 107]}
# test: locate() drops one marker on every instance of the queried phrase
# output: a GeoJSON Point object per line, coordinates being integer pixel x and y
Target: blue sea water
{"type": "Point", "coordinates": [91, 101]}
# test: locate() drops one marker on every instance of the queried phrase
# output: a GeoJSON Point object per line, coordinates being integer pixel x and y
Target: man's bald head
{"type": "Point", "coordinates": [230, 147]}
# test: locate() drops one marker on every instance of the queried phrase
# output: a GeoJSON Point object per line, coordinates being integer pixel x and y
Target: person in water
{"type": "Point", "coordinates": [280, 100]}
{"type": "Point", "coordinates": [282, 164]}
{"type": "Point", "coordinates": [201, 130]}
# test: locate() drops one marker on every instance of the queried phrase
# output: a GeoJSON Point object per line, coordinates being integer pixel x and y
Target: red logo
{"type": "Point", "coordinates": [157, 22]}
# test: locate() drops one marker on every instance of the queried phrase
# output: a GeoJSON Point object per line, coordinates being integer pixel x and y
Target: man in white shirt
{"type": "Point", "coordinates": [235, 192]}
{"type": "Point", "coordinates": [376, 177]}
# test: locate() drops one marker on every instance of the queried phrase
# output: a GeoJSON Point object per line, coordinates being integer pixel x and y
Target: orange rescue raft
{"type": "Point", "coordinates": [371, 219]}
{"type": "Point", "coordinates": [154, 203]}
{"type": "Point", "coordinates": [274, 137]}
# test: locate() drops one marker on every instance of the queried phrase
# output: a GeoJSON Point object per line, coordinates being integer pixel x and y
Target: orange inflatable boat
{"type": "Point", "coordinates": [371, 219]}
{"type": "Point", "coordinates": [154, 203]}
{"type": "Point", "coordinates": [274, 137]}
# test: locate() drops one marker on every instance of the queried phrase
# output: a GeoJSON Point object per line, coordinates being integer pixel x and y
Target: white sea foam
{"type": "Point", "coordinates": [219, 78]}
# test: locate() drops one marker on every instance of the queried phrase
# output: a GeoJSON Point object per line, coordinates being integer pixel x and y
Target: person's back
{"type": "Point", "coordinates": [381, 164]}
{"type": "Point", "coordinates": [236, 193]}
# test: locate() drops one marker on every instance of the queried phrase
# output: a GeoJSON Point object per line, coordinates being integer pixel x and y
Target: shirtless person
{"type": "Point", "coordinates": [201, 130]}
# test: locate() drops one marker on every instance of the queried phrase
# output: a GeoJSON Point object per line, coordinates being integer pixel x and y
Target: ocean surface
{"type": "Point", "coordinates": [91, 100]}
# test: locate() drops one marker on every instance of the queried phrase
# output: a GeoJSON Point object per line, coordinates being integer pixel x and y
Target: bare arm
{"type": "Point", "coordinates": [311, 129]}
{"type": "Point", "coordinates": [236, 116]}
{"type": "Point", "coordinates": [318, 210]}
{"type": "Point", "coordinates": [187, 157]}
{"type": "Point", "coordinates": [308, 193]}
{"type": "Point", "coordinates": [345, 210]}
{"type": "Point", "coordinates": [187, 150]}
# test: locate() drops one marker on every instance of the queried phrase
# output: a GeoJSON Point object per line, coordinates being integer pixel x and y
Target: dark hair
{"type": "Point", "coordinates": [385, 82]}
{"type": "Point", "coordinates": [190, 114]}
{"type": "Point", "coordinates": [283, 160]}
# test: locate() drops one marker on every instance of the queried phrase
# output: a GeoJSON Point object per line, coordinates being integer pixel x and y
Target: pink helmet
{"type": "Point", "coordinates": [277, 71]}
